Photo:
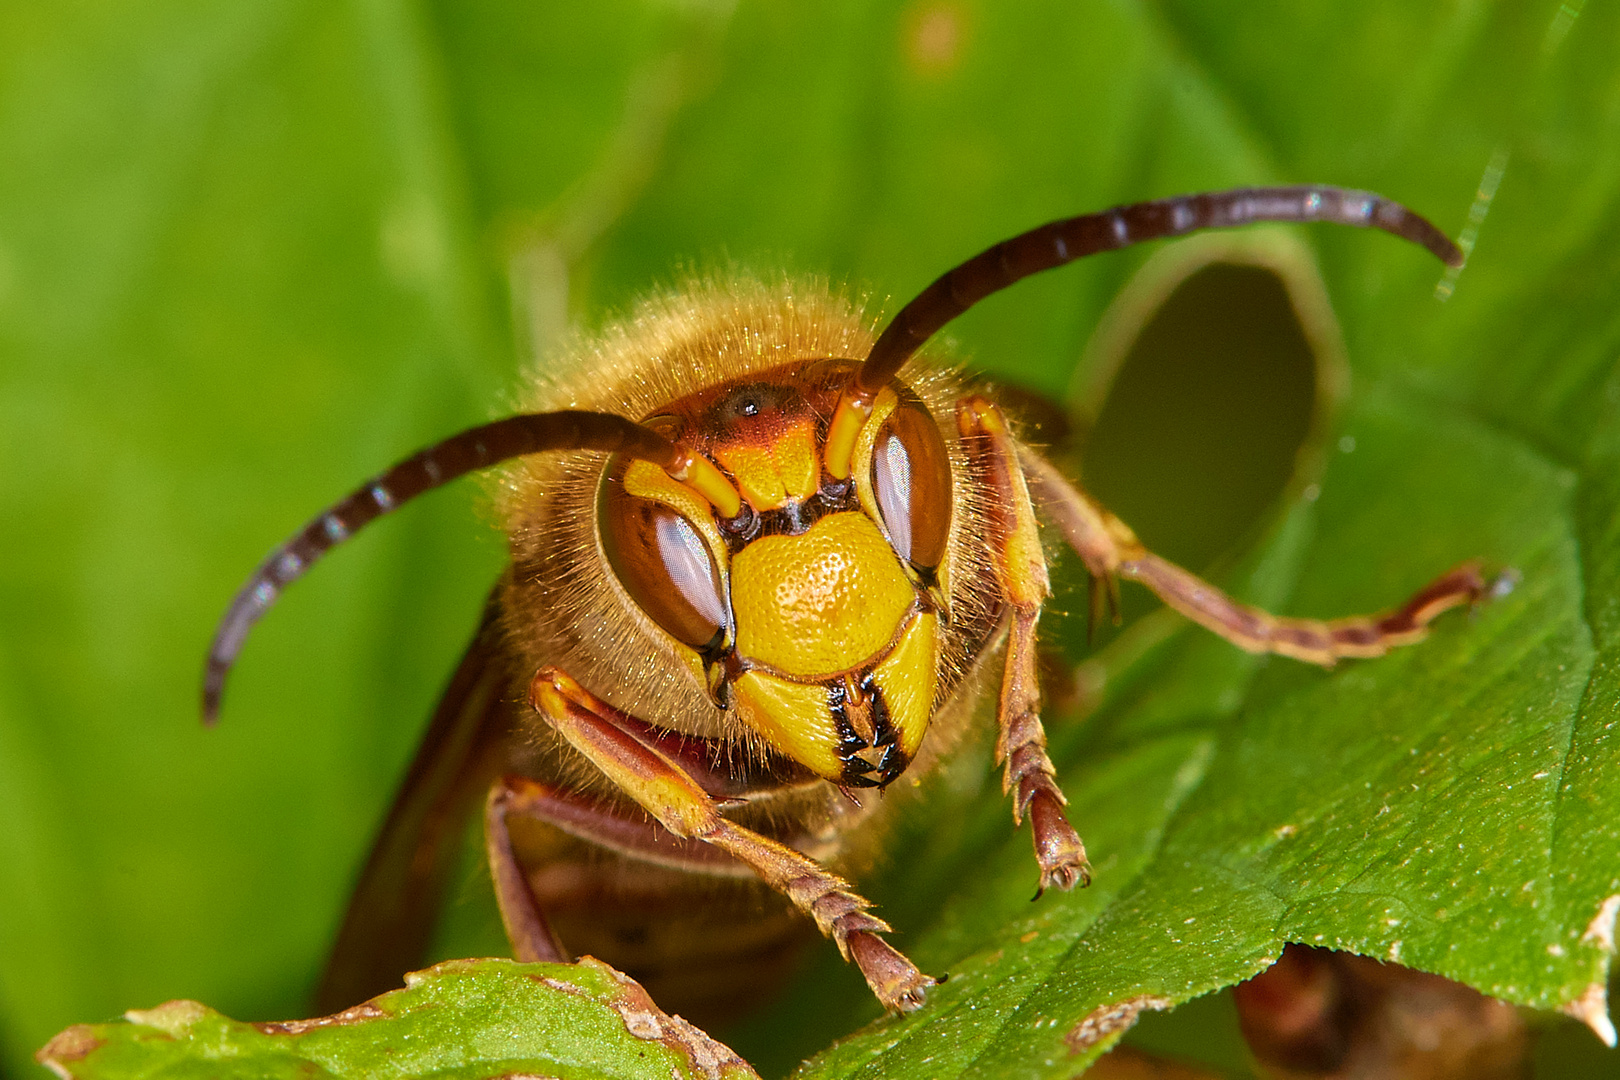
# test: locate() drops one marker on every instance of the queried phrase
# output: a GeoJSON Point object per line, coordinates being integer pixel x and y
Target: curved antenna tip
{"type": "Point", "coordinates": [250, 603]}
{"type": "Point", "coordinates": [212, 691]}
{"type": "Point", "coordinates": [210, 710]}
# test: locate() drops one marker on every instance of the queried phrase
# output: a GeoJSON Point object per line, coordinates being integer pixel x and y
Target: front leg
{"type": "Point", "coordinates": [1110, 551]}
{"type": "Point", "coordinates": [618, 745]}
{"type": "Point", "coordinates": [1020, 568]}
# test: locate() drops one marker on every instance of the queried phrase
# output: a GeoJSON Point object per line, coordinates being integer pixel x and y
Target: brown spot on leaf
{"type": "Point", "coordinates": [359, 1014]}
{"type": "Point", "coordinates": [1106, 1021]}
{"type": "Point", "coordinates": [646, 1021]}
{"type": "Point", "coordinates": [1592, 1009]}
{"type": "Point", "coordinates": [71, 1045]}
{"type": "Point", "coordinates": [559, 984]}
{"type": "Point", "coordinates": [934, 38]}
{"type": "Point", "coordinates": [1601, 929]}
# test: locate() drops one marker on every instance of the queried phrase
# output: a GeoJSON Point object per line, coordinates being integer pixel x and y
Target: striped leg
{"type": "Point", "coordinates": [1110, 551]}
{"type": "Point", "coordinates": [1021, 573]}
{"type": "Point", "coordinates": [527, 929]}
{"type": "Point", "coordinates": [619, 746]}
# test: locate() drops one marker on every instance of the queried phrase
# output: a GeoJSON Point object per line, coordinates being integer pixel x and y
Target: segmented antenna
{"type": "Point", "coordinates": [1059, 242]}
{"type": "Point", "coordinates": [474, 449]}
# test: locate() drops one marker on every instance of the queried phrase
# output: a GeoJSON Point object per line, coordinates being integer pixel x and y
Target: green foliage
{"type": "Point", "coordinates": [251, 252]}
{"type": "Point", "coordinates": [465, 1018]}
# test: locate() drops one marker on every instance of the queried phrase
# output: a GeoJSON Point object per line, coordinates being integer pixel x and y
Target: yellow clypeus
{"type": "Point", "coordinates": [827, 600]}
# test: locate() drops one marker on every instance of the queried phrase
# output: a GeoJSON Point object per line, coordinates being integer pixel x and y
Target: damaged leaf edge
{"type": "Point", "coordinates": [1592, 1007]}
{"type": "Point", "coordinates": [643, 1020]}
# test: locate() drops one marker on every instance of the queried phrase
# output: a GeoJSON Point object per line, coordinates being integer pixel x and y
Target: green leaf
{"type": "Point", "coordinates": [464, 1019]}
{"type": "Point", "coordinates": [251, 252]}
{"type": "Point", "coordinates": [1417, 809]}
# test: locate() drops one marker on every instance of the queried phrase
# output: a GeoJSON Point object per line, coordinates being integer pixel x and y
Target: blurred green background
{"type": "Point", "coordinates": [253, 251]}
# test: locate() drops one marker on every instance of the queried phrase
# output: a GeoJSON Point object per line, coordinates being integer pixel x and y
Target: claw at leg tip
{"type": "Point", "coordinates": [915, 997]}
{"type": "Point", "coordinates": [1065, 876]}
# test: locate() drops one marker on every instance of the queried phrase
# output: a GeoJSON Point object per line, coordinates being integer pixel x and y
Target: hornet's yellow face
{"type": "Point", "coordinates": [815, 609]}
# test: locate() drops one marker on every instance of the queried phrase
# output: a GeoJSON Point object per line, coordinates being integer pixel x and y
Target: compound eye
{"type": "Point", "coordinates": [665, 566]}
{"type": "Point", "coordinates": [911, 481]}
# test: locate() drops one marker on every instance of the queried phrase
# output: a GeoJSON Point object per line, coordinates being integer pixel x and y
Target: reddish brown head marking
{"type": "Point", "coordinates": [765, 432]}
